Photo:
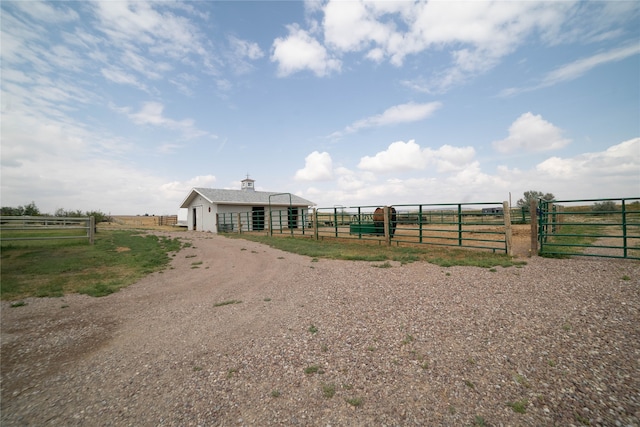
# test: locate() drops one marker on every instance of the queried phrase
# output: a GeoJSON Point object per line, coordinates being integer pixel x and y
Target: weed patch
{"type": "Point", "coordinates": [355, 401]}
{"type": "Point", "coordinates": [328, 390]}
{"type": "Point", "coordinates": [313, 369]}
{"type": "Point", "coordinates": [519, 406]}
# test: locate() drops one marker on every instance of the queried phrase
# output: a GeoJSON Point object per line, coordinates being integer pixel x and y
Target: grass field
{"type": "Point", "coordinates": [52, 268]}
{"type": "Point", "coordinates": [363, 250]}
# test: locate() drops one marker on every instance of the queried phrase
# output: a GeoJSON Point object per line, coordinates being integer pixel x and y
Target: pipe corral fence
{"type": "Point", "coordinates": [484, 225]}
{"type": "Point", "coordinates": [589, 227]}
{"type": "Point", "coordinates": [16, 228]}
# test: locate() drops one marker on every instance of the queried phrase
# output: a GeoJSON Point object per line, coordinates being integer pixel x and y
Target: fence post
{"type": "Point", "coordinates": [508, 233]}
{"type": "Point", "coordinates": [533, 214]}
{"type": "Point", "coordinates": [315, 222]}
{"type": "Point", "coordinates": [92, 229]}
{"type": "Point", "coordinates": [387, 219]}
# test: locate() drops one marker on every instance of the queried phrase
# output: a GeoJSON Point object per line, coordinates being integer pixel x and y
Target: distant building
{"type": "Point", "coordinates": [493, 211]}
{"type": "Point", "coordinates": [206, 205]}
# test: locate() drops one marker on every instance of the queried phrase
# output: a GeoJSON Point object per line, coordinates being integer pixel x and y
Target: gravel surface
{"type": "Point", "coordinates": [323, 342]}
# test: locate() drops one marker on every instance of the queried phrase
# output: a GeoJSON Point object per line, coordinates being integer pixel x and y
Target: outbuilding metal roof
{"type": "Point", "coordinates": [244, 197]}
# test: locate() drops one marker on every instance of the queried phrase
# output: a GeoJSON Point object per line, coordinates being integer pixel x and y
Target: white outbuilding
{"type": "Point", "coordinates": [215, 210]}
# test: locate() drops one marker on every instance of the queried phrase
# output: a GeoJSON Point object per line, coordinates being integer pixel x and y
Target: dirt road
{"type": "Point", "coordinates": [319, 342]}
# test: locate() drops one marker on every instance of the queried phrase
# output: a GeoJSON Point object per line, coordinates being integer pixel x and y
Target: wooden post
{"type": "Point", "coordinates": [239, 223]}
{"type": "Point", "coordinates": [508, 232]}
{"type": "Point", "coordinates": [315, 222]}
{"type": "Point", "coordinates": [387, 220]}
{"type": "Point", "coordinates": [533, 214]}
{"type": "Point", "coordinates": [92, 229]}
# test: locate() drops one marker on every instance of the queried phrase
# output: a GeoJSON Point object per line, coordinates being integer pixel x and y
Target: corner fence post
{"type": "Point", "coordinates": [533, 214]}
{"type": "Point", "coordinates": [508, 233]}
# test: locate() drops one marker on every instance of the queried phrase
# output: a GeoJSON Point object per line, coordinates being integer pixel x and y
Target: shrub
{"type": "Point", "coordinates": [604, 207]}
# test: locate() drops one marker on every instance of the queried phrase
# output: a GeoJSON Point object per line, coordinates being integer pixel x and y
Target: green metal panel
{"type": "Point", "coordinates": [581, 228]}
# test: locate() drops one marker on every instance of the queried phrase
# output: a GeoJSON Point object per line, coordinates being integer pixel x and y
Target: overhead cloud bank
{"type": "Point", "coordinates": [479, 35]}
{"type": "Point", "coordinates": [407, 173]}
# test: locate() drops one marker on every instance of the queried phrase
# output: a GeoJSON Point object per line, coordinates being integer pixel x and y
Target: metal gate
{"type": "Point", "coordinates": [592, 227]}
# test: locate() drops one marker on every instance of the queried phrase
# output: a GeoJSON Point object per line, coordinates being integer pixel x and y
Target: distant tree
{"type": "Point", "coordinates": [10, 211]}
{"type": "Point", "coordinates": [31, 210]}
{"type": "Point", "coordinates": [604, 207]}
{"type": "Point", "coordinates": [99, 216]}
{"type": "Point", "coordinates": [530, 195]}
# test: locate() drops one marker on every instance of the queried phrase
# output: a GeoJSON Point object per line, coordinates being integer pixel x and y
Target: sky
{"type": "Point", "coordinates": [123, 107]}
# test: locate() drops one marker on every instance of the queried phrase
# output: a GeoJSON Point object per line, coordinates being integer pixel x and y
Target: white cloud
{"type": "Point", "coordinates": [480, 33]}
{"type": "Point", "coordinates": [242, 52]}
{"type": "Point", "coordinates": [318, 167]}
{"type": "Point", "coordinates": [354, 25]}
{"type": "Point", "coordinates": [299, 51]}
{"type": "Point", "coordinates": [177, 190]}
{"type": "Point", "coordinates": [476, 35]}
{"type": "Point", "coordinates": [450, 159]}
{"type": "Point", "coordinates": [403, 113]}
{"type": "Point", "coordinates": [153, 28]}
{"type": "Point", "coordinates": [151, 114]}
{"type": "Point", "coordinates": [245, 49]}
{"type": "Point", "coordinates": [118, 75]}
{"type": "Point", "coordinates": [400, 156]}
{"type": "Point", "coordinates": [618, 160]}
{"type": "Point", "coordinates": [531, 133]}
{"type": "Point", "coordinates": [44, 160]}
{"type": "Point", "coordinates": [403, 157]}
{"type": "Point", "coordinates": [578, 68]}
{"type": "Point", "coordinates": [47, 12]}
{"type": "Point", "coordinates": [614, 172]}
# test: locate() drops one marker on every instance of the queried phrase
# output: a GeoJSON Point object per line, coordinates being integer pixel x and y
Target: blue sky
{"type": "Point", "coordinates": [124, 106]}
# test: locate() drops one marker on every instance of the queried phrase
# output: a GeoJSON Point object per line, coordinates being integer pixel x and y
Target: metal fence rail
{"type": "Point", "coordinates": [590, 227]}
{"type": "Point", "coordinates": [483, 225]}
{"type": "Point", "coordinates": [15, 228]}
{"type": "Point", "coordinates": [275, 221]}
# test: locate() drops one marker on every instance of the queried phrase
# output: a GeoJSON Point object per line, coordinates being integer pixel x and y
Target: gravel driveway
{"type": "Point", "coordinates": [323, 342]}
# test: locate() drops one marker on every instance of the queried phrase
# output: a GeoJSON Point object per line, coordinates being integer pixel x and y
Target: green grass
{"type": "Point", "coordinates": [519, 406]}
{"type": "Point", "coordinates": [53, 268]}
{"type": "Point", "coordinates": [479, 421]}
{"type": "Point", "coordinates": [313, 369]}
{"type": "Point", "coordinates": [522, 380]}
{"type": "Point", "coordinates": [363, 251]}
{"type": "Point", "coordinates": [328, 390]}
{"type": "Point", "coordinates": [355, 401]}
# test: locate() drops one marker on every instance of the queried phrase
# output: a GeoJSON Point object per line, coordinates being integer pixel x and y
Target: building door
{"type": "Point", "coordinates": [257, 218]}
{"type": "Point", "coordinates": [293, 217]}
{"type": "Point", "coordinates": [197, 217]}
